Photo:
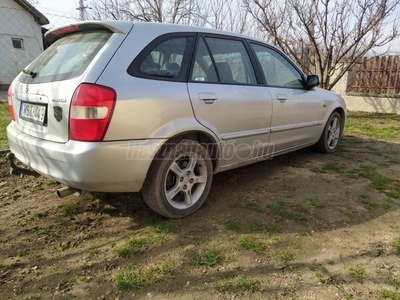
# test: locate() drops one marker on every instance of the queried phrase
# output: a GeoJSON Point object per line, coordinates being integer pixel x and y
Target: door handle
{"type": "Point", "coordinates": [281, 97]}
{"type": "Point", "coordinates": [208, 97]}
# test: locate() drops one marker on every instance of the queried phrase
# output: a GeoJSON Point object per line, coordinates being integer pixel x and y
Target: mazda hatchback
{"type": "Point", "coordinates": [118, 106]}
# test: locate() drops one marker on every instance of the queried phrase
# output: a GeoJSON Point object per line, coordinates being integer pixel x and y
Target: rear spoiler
{"type": "Point", "coordinates": [112, 26]}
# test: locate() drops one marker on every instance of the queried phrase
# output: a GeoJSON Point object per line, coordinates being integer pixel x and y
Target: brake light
{"type": "Point", "coordinates": [65, 30]}
{"type": "Point", "coordinates": [10, 103]}
{"type": "Point", "coordinates": [91, 109]}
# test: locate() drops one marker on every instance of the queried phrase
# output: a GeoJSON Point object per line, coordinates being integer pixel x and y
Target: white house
{"type": "Point", "coordinates": [21, 38]}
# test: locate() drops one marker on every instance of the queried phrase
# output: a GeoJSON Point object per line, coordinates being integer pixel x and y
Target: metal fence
{"type": "Point", "coordinates": [375, 76]}
{"type": "Point", "coordinates": [21, 39]}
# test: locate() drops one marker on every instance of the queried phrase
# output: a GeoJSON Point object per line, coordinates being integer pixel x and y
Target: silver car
{"type": "Point", "coordinates": [118, 106]}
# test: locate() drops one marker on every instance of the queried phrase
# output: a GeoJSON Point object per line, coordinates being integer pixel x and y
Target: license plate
{"type": "Point", "coordinates": [34, 113]}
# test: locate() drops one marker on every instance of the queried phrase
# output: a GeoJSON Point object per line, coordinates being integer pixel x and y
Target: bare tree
{"type": "Point", "coordinates": [230, 16]}
{"type": "Point", "coordinates": [168, 11]}
{"type": "Point", "coordinates": [327, 37]}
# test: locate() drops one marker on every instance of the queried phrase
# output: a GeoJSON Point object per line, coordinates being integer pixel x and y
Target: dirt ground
{"type": "Point", "coordinates": [302, 226]}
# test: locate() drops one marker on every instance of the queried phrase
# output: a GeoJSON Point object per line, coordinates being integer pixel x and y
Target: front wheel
{"type": "Point", "coordinates": [330, 138]}
{"type": "Point", "coordinates": [179, 180]}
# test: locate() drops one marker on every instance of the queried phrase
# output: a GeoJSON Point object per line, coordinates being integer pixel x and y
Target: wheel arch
{"type": "Point", "coordinates": [209, 142]}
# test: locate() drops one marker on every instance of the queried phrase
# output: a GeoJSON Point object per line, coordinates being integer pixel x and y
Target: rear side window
{"type": "Point", "coordinates": [224, 61]}
{"type": "Point", "coordinates": [67, 58]}
{"type": "Point", "coordinates": [165, 58]}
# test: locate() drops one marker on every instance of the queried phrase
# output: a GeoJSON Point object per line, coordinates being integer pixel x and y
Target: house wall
{"type": "Point", "coordinates": [367, 103]}
{"type": "Point", "coordinates": [15, 22]}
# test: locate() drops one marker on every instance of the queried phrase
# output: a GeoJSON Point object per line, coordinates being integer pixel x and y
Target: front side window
{"type": "Point", "coordinates": [277, 70]}
{"type": "Point", "coordinates": [67, 58]}
{"type": "Point", "coordinates": [17, 43]}
{"type": "Point", "coordinates": [168, 59]}
{"type": "Point", "coordinates": [223, 60]}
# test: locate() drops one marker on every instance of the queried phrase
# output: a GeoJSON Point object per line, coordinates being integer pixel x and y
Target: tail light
{"type": "Point", "coordinates": [11, 103]}
{"type": "Point", "coordinates": [91, 109]}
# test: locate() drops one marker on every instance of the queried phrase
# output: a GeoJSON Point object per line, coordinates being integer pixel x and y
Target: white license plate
{"type": "Point", "coordinates": [33, 112]}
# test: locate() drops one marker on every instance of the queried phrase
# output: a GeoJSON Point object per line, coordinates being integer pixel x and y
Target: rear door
{"type": "Point", "coordinates": [228, 100]}
{"type": "Point", "coordinates": [42, 93]}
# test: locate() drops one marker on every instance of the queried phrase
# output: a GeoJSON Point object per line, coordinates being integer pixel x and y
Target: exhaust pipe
{"type": "Point", "coordinates": [67, 191]}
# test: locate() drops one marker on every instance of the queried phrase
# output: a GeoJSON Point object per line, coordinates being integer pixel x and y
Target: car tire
{"type": "Point", "coordinates": [179, 179]}
{"type": "Point", "coordinates": [330, 138]}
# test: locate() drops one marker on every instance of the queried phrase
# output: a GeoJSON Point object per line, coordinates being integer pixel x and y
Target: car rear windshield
{"type": "Point", "coordinates": [67, 58]}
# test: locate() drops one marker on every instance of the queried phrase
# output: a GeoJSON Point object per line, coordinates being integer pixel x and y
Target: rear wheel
{"type": "Point", "coordinates": [179, 180]}
{"type": "Point", "coordinates": [330, 138]}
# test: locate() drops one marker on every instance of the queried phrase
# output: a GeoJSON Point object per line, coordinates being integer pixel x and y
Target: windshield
{"type": "Point", "coordinates": [67, 58]}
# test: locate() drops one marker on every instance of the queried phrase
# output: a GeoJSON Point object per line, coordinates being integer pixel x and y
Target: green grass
{"type": "Point", "coordinates": [358, 274]}
{"type": "Point", "coordinates": [281, 209]}
{"type": "Point", "coordinates": [251, 243]}
{"type": "Point", "coordinates": [386, 294]}
{"type": "Point", "coordinates": [286, 256]}
{"type": "Point", "coordinates": [232, 225]}
{"type": "Point", "coordinates": [257, 226]}
{"type": "Point", "coordinates": [134, 246]}
{"type": "Point", "coordinates": [94, 251]}
{"type": "Point", "coordinates": [395, 284]}
{"type": "Point", "coordinates": [207, 257]}
{"type": "Point", "coordinates": [373, 125]}
{"type": "Point", "coordinates": [253, 206]}
{"type": "Point", "coordinates": [242, 284]}
{"type": "Point", "coordinates": [396, 246]}
{"type": "Point", "coordinates": [139, 277]}
{"type": "Point", "coordinates": [71, 209]}
{"type": "Point", "coordinates": [4, 121]}
{"type": "Point", "coordinates": [314, 202]}
{"type": "Point", "coordinates": [334, 167]}
{"type": "Point", "coordinates": [320, 277]}
{"type": "Point", "coordinates": [228, 274]}
{"type": "Point", "coordinates": [380, 182]}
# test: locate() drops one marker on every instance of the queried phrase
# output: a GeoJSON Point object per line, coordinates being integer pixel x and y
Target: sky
{"type": "Point", "coordinates": [61, 12]}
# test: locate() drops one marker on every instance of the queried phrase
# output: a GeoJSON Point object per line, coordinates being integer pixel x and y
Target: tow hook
{"type": "Point", "coordinates": [18, 171]}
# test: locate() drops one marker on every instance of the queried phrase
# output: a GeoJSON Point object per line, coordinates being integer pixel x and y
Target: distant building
{"type": "Point", "coordinates": [21, 37]}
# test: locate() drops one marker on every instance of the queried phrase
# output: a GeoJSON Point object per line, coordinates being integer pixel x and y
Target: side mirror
{"type": "Point", "coordinates": [312, 81]}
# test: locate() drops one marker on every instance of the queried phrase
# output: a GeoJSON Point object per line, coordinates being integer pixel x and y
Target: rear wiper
{"type": "Point", "coordinates": [30, 73]}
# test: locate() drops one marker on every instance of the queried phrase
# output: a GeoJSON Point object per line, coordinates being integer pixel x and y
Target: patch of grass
{"type": "Point", "coordinates": [71, 209]}
{"type": "Point", "coordinates": [253, 206]}
{"type": "Point", "coordinates": [248, 285]}
{"type": "Point", "coordinates": [386, 294]}
{"type": "Point", "coordinates": [286, 256]}
{"type": "Point", "coordinates": [330, 262]}
{"type": "Point", "coordinates": [314, 202]}
{"type": "Point", "coordinates": [380, 182]}
{"type": "Point", "coordinates": [228, 274]}
{"type": "Point", "coordinates": [43, 231]}
{"type": "Point", "coordinates": [94, 251]}
{"type": "Point", "coordinates": [251, 243]}
{"type": "Point", "coordinates": [369, 204]}
{"type": "Point", "coordinates": [139, 277]}
{"type": "Point", "coordinates": [242, 284]}
{"type": "Point", "coordinates": [207, 257]}
{"type": "Point", "coordinates": [334, 167]}
{"type": "Point", "coordinates": [5, 119]}
{"type": "Point", "coordinates": [257, 226]}
{"type": "Point", "coordinates": [320, 277]}
{"type": "Point", "coordinates": [358, 274]}
{"type": "Point", "coordinates": [133, 247]}
{"type": "Point", "coordinates": [20, 253]}
{"type": "Point", "coordinates": [280, 208]}
{"type": "Point", "coordinates": [232, 225]}
{"type": "Point", "coordinates": [373, 125]}
{"type": "Point", "coordinates": [396, 246]}
{"type": "Point", "coordinates": [395, 284]}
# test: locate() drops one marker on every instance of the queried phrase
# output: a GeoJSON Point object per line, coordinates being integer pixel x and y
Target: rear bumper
{"type": "Point", "coordinates": [102, 166]}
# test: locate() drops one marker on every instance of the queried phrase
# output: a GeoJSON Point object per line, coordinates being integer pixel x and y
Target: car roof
{"type": "Point", "coordinates": [153, 27]}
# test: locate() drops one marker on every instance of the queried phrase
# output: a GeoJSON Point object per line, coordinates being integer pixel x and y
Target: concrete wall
{"type": "Point", "coordinates": [367, 103]}
{"type": "Point", "coordinates": [15, 22]}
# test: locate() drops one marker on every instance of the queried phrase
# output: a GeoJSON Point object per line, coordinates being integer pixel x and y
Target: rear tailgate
{"type": "Point", "coordinates": [42, 93]}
